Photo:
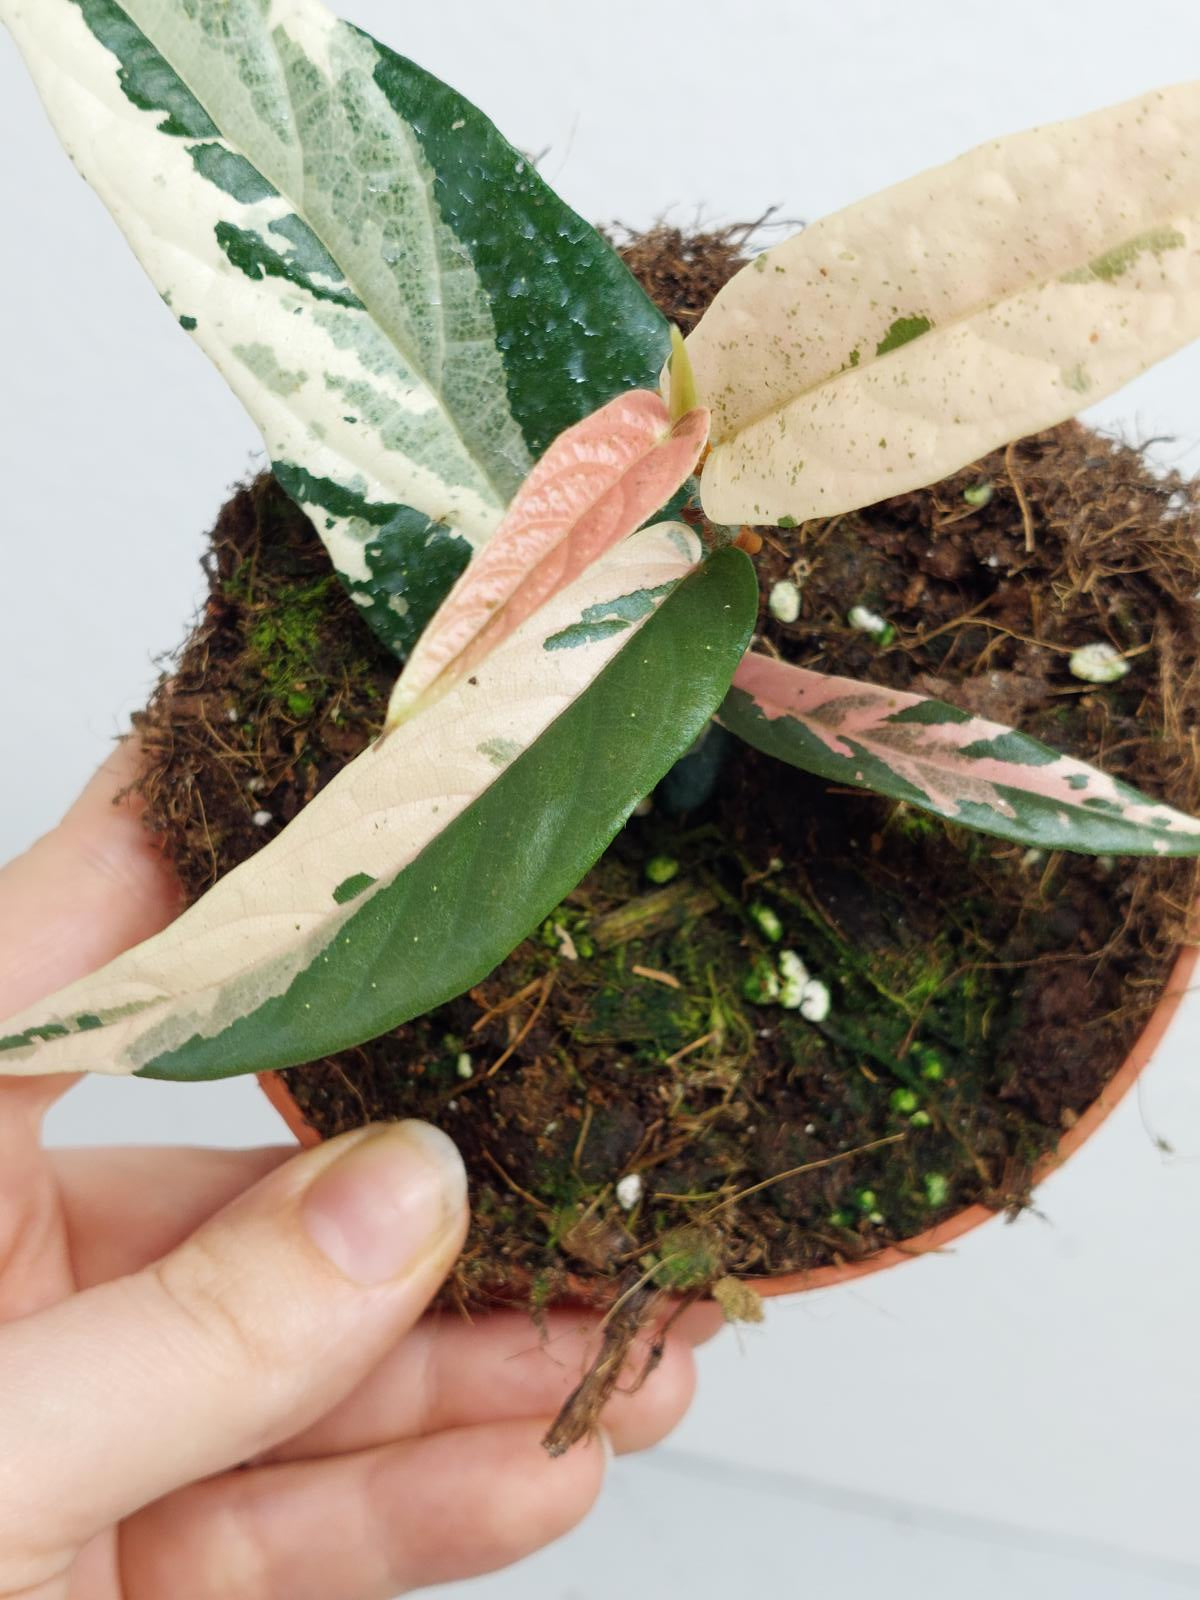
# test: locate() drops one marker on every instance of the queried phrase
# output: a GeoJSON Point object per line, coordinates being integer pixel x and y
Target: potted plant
{"type": "Point", "coordinates": [782, 1022]}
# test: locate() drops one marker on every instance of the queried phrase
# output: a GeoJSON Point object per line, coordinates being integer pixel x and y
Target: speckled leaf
{"type": "Point", "coordinates": [894, 342]}
{"type": "Point", "coordinates": [944, 760]}
{"type": "Point", "coordinates": [407, 311]}
{"type": "Point", "coordinates": [596, 484]}
{"type": "Point", "coordinates": [432, 855]}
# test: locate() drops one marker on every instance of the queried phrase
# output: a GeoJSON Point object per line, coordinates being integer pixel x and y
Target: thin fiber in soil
{"type": "Point", "coordinates": [982, 995]}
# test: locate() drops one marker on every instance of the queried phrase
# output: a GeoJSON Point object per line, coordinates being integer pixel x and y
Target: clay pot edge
{"type": "Point", "coordinates": [942, 1234]}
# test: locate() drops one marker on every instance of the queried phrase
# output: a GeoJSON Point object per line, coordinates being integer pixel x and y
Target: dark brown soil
{"type": "Point", "coordinates": [982, 995]}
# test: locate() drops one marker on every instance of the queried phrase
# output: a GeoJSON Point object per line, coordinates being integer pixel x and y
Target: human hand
{"type": "Point", "coordinates": [216, 1383]}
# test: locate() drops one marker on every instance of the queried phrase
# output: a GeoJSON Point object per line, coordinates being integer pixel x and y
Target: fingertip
{"type": "Point", "coordinates": [391, 1203]}
{"type": "Point", "coordinates": [699, 1324]}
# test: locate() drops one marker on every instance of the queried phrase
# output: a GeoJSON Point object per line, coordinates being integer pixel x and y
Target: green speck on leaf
{"type": "Point", "coordinates": [902, 331]}
{"type": "Point", "coordinates": [351, 887]}
{"type": "Point", "coordinates": [1115, 263]}
{"type": "Point", "coordinates": [231, 172]}
{"type": "Point", "coordinates": [500, 751]}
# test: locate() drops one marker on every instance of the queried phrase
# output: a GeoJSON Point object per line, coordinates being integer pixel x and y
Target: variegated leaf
{"type": "Point", "coordinates": [596, 484]}
{"type": "Point", "coordinates": [430, 856]}
{"type": "Point", "coordinates": [944, 760]}
{"type": "Point", "coordinates": [894, 342]}
{"type": "Point", "coordinates": [407, 311]}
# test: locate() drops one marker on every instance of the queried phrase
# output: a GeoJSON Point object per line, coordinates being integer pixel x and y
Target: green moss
{"type": "Point", "coordinates": [565, 931]}
{"type": "Point", "coordinates": [689, 1258]}
{"type": "Point", "coordinates": [287, 642]}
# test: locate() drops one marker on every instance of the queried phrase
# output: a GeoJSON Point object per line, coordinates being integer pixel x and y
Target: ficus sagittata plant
{"type": "Point", "coordinates": [533, 487]}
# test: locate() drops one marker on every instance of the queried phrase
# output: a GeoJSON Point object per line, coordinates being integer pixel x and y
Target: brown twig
{"type": "Point", "coordinates": [696, 1044]}
{"type": "Point", "coordinates": [512, 1183]}
{"type": "Point", "coordinates": [657, 976]}
{"type": "Point", "coordinates": [1019, 490]}
{"type": "Point", "coordinates": [503, 1007]}
{"type": "Point", "coordinates": [547, 984]}
{"type": "Point", "coordinates": [809, 1166]}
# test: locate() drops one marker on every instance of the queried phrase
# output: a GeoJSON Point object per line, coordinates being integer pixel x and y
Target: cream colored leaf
{"type": "Point", "coordinates": [896, 341]}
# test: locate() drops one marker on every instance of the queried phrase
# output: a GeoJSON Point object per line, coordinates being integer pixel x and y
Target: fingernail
{"type": "Point", "coordinates": [391, 1200]}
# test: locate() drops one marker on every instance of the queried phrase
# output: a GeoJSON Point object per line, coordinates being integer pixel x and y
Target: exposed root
{"type": "Point", "coordinates": [631, 1314]}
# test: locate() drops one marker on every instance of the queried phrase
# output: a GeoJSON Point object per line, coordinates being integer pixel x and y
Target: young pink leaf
{"type": "Point", "coordinates": [936, 756]}
{"type": "Point", "coordinates": [598, 482]}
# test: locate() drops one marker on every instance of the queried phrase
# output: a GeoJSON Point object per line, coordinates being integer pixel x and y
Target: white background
{"type": "Point", "coordinates": [1019, 1417]}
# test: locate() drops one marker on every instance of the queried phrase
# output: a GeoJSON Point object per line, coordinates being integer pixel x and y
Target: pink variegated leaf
{"type": "Point", "coordinates": [936, 756]}
{"type": "Point", "coordinates": [596, 484]}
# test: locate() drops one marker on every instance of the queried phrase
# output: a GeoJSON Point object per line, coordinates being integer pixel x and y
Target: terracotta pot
{"type": "Point", "coordinates": [944, 1233]}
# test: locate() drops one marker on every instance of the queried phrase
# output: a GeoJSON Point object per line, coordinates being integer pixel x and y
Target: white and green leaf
{"type": "Point", "coordinates": [892, 343]}
{"type": "Point", "coordinates": [427, 859]}
{"type": "Point", "coordinates": [945, 760]}
{"type": "Point", "coordinates": [322, 216]}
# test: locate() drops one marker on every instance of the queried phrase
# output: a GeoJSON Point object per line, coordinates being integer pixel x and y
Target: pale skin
{"type": "Point", "coordinates": [218, 1380]}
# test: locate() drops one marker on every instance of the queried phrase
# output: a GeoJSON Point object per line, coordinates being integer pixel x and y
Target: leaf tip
{"type": "Point", "coordinates": [683, 394]}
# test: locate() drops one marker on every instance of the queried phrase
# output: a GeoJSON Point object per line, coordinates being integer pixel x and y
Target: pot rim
{"type": "Point", "coordinates": [932, 1240]}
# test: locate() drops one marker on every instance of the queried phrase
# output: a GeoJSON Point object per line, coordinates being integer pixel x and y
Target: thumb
{"type": "Point", "coordinates": [248, 1332]}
